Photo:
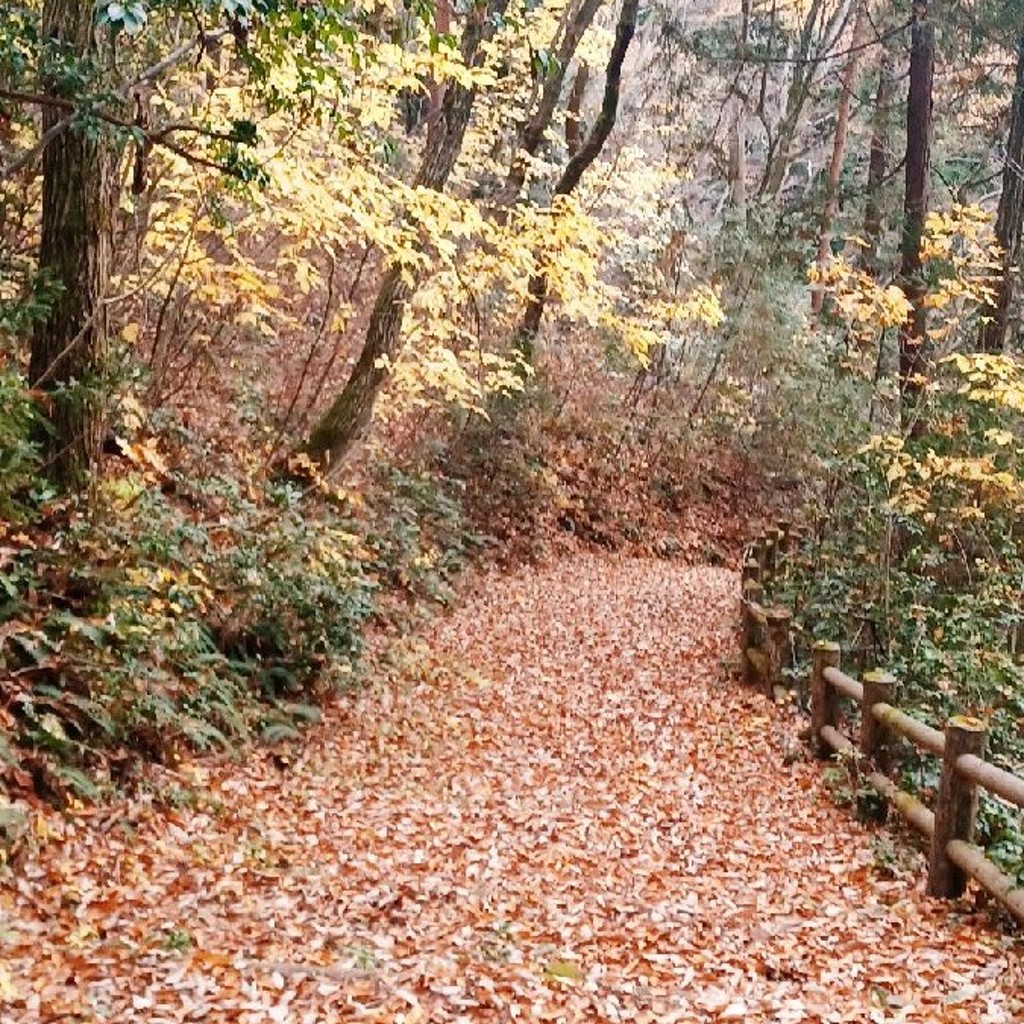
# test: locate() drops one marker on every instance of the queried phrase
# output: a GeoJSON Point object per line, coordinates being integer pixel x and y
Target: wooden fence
{"type": "Point", "coordinates": [949, 828]}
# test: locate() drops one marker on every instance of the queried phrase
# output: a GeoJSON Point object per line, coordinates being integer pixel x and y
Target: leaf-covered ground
{"type": "Point", "coordinates": [555, 807]}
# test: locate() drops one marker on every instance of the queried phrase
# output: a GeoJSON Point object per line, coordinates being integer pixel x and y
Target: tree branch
{"type": "Point", "coordinates": [150, 74]}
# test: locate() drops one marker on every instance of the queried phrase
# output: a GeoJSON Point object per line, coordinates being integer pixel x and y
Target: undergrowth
{"type": "Point", "coordinates": [194, 601]}
{"type": "Point", "coordinates": [915, 565]}
{"type": "Point", "coordinates": [163, 613]}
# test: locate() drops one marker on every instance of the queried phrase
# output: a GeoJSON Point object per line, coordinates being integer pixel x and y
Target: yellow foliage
{"type": "Point", "coordinates": [964, 260]}
{"type": "Point", "coordinates": [993, 379]}
{"type": "Point", "coordinates": [966, 485]}
{"type": "Point", "coordinates": [864, 303]}
{"type": "Point", "coordinates": [255, 268]}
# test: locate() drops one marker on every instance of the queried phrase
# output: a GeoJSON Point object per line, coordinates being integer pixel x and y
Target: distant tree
{"type": "Point", "coordinates": [878, 154]}
{"type": "Point", "coordinates": [913, 340]}
{"type": "Point", "coordinates": [538, 119]}
{"type": "Point", "coordinates": [588, 152]}
{"type": "Point", "coordinates": [350, 413]}
{"type": "Point", "coordinates": [995, 326]}
{"type": "Point", "coordinates": [847, 86]}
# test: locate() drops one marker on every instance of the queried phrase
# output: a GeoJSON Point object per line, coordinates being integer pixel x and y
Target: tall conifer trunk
{"type": "Point", "coordinates": [69, 347]}
{"type": "Point", "coordinates": [913, 343]}
{"type": "Point", "coordinates": [996, 328]}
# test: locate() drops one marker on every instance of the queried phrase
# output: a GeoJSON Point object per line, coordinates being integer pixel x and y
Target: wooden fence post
{"type": "Point", "coordinates": [769, 561]}
{"type": "Point", "coordinates": [757, 551]}
{"type": "Point", "coordinates": [956, 806]}
{"type": "Point", "coordinates": [753, 594]}
{"type": "Point", "coordinates": [824, 654]}
{"type": "Point", "coordinates": [781, 535]}
{"type": "Point", "coordinates": [777, 628]}
{"type": "Point", "coordinates": [785, 535]}
{"type": "Point", "coordinates": [752, 570]}
{"type": "Point", "coordinates": [879, 687]}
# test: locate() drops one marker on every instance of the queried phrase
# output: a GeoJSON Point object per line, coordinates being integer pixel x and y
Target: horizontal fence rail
{"type": "Point", "coordinates": [949, 826]}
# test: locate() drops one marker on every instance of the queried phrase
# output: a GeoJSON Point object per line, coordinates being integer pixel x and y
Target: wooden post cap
{"type": "Point", "coordinates": [826, 645]}
{"type": "Point", "coordinates": [880, 678]}
{"type": "Point", "coordinates": [966, 723]}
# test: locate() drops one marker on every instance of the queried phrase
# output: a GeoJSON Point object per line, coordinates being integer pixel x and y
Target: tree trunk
{"type": "Point", "coordinates": [350, 413]}
{"type": "Point", "coordinates": [738, 164]}
{"type": "Point", "coordinates": [804, 70]}
{"type": "Point", "coordinates": [79, 197]}
{"type": "Point", "coordinates": [996, 327]}
{"type": "Point", "coordinates": [587, 154]}
{"type": "Point", "coordinates": [598, 135]}
{"type": "Point", "coordinates": [878, 161]}
{"type": "Point", "coordinates": [849, 83]}
{"type": "Point", "coordinates": [573, 128]}
{"type": "Point", "coordinates": [539, 120]}
{"type": "Point", "coordinates": [913, 333]}
{"type": "Point", "coordinates": [435, 89]}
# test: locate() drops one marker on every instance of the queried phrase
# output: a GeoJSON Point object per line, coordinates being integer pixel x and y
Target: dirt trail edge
{"type": "Point", "coordinates": [559, 809]}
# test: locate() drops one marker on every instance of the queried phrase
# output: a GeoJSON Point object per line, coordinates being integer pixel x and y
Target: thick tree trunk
{"type": "Point", "coordinates": [350, 413]}
{"type": "Point", "coordinates": [69, 347]}
{"type": "Point", "coordinates": [849, 83]}
{"type": "Point", "coordinates": [878, 159]}
{"type": "Point", "coordinates": [913, 361]}
{"type": "Point", "coordinates": [996, 328]}
{"type": "Point", "coordinates": [538, 122]}
{"type": "Point", "coordinates": [587, 154]}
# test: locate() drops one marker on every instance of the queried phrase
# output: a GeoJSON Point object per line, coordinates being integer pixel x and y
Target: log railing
{"type": "Point", "coordinates": [949, 827]}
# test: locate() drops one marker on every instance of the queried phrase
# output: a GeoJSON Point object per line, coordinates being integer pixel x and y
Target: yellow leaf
{"type": "Point", "coordinates": [895, 472]}
{"type": "Point", "coordinates": [7, 990]}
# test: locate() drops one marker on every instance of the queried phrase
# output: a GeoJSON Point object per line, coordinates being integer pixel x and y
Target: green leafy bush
{"type": "Point", "coordinates": [19, 452]}
{"type": "Point", "coordinates": [917, 566]}
{"type": "Point", "coordinates": [168, 613]}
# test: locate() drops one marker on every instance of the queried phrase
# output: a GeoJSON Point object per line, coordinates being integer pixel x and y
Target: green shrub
{"type": "Point", "coordinates": [167, 614]}
{"type": "Point", "coordinates": [917, 566]}
{"type": "Point", "coordinates": [19, 452]}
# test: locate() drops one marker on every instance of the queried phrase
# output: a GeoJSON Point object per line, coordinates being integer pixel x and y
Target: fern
{"type": "Point", "coordinates": [278, 732]}
{"type": "Point", "coordinates": [78, 782]}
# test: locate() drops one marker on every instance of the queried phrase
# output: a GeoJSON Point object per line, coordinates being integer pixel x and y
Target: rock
{"type": "Point", "coordinates": [14, 826]}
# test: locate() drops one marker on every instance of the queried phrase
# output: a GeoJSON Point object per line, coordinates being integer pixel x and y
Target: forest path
{"type": "Point", "coordinates": [556, 808]}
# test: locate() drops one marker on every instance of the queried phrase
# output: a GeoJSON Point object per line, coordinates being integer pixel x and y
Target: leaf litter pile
{"type": "Point", "coordinates": [555, 806]}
